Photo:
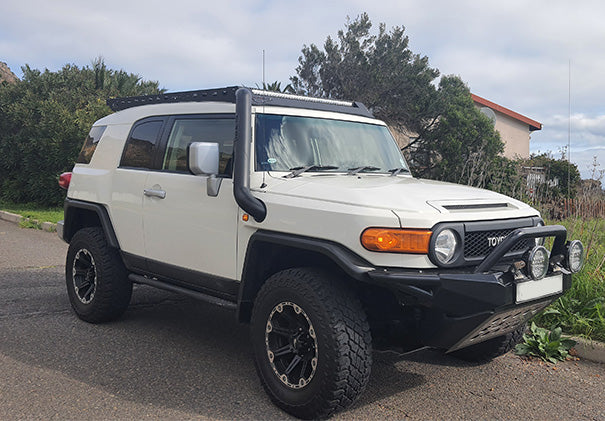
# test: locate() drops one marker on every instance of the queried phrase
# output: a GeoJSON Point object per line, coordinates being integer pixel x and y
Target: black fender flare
{"type": "Point", "coordinates": [353, 265]}
{"type": "Point", "coordinates": [71, 223]}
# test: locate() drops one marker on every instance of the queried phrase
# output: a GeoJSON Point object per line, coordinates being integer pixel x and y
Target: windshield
{"type": "Point", "coordinates": [286, 142]}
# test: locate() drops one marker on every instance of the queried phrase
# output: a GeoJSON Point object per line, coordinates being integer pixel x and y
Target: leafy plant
{"type": "Point", "coordinates": [549, 346]}
{"type": "Point", "coordinates": [30, 223]}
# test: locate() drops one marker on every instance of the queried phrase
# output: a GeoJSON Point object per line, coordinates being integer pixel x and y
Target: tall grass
{"type": "Point", "coordinates": [581, 311]}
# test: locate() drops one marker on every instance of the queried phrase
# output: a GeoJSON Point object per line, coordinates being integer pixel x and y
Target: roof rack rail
{"type": "Point", "coordinates": [278, 99]}
{"type": "Point", "coordinates": [259, 98]}
{"type": "Point", "coordinates": [218, 95]}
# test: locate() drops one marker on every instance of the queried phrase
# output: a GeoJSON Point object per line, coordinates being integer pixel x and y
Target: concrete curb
{"type": "Point", "coordinates": [589, 350]}
{"type": "Point", "coordinates": [17, 219]}
{"type": "Point", "coordinates": [10, 217]}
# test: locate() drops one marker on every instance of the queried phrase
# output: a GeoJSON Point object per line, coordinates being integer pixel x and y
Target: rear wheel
{"type": "Point", "coordinates": [311, 341]}
{"type": "Point", "coordinates": [492, 348]}
{"type": "Point", "coordinates": [97, 282]}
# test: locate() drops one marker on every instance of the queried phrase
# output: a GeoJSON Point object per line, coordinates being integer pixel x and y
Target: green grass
{"type": "Point", "coordinates": [581, 311]}
{"type": "Point", "coordinates": [32, 212]}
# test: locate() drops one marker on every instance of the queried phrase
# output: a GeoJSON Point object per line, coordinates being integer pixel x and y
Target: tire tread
{"type": "Point", "coordinates": [114, 290]}
{"type": "Point", "coordinates": [346, 319]}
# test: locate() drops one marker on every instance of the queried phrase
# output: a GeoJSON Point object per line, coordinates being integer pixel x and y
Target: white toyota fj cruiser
{"type": "Point", "coordinates": [301, 215]}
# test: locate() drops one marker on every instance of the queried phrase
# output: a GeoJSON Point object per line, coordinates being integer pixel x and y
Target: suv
{"type": "Point", "coordinates": [301, 215]}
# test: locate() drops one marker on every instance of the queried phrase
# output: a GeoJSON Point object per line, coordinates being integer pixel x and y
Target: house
{"type": "Point", "coordinates": [515, 129]}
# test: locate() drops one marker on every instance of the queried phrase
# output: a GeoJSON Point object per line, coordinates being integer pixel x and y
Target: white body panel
{"type": "Point", "coordinates": [188, 228]}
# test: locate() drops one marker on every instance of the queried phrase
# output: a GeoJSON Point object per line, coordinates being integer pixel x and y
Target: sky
{"type": "Point", "coordinates": [542, 59]}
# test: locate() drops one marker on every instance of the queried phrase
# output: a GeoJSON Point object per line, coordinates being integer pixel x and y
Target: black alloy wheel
{"type": "Point", "coordinates": [291, 345]}
{"type": "Point", "coordinates": [84, 276]}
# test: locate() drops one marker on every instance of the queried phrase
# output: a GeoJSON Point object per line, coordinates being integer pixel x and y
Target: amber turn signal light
{"type": "Point", "coordinates": [396, 240]}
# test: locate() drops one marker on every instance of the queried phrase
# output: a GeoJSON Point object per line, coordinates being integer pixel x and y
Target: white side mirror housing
{"type": "Point", "coordinates": [203, 158]}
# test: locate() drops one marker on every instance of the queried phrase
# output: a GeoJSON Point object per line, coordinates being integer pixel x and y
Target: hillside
{"type": "Point", "coordinates": [6, 74]}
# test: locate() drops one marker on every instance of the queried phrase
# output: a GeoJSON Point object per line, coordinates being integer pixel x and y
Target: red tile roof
{"type": "Point", "coordinates": [533, 124]}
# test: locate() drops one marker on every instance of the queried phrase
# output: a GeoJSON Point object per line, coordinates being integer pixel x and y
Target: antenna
{"type": "Point", "coordinates": [263, 184]}
{"type": "Point", "coordinates": [569, 131]}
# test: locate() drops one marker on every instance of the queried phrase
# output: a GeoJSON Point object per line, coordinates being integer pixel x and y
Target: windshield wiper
{"type": "Point", "coordinates": [296, 171]}
{"type": "Point", "coordinates": [396, 171]}
{"type": "Point", "coordinates": [353, 171]}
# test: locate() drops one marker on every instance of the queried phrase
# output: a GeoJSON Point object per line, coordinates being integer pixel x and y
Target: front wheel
{"type": "Point", "coordinates": [311, 341]}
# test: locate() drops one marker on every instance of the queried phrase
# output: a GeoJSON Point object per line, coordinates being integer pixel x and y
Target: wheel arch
{"type": "Point", "coordinates": [79, 214]}
{"type": "Point", "coordinates": [269, 252]}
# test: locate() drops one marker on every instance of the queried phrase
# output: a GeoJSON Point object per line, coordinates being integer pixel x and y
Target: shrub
{"type": "Point", "coordinates": [44, 119]}
{"type": "Point", "coordinates": [549, 346]}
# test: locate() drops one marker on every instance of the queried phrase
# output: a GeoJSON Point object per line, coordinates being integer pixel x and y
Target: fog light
{"type": "Point", "coordinates": [575, 256]}
{"type": "Point", "coordinates": [537, 262]}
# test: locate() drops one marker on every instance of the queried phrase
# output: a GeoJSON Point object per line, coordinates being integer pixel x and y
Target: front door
{"type": "Point", "coordinates": [188, 232]}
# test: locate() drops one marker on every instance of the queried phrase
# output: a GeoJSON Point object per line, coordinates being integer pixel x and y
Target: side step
{"type": "Point", "coordinates": [138, 279]}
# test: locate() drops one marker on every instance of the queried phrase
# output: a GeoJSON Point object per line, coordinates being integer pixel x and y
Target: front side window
{"type": "Point", "coordinates": [285, 142]}
{"type": "Point", "coordinates": [189, 130]}
{"type": "Point", "coordinates": [141, 144]}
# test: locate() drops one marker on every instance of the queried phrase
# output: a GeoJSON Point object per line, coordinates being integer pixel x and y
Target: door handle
{"type": "Point", "coordinates": [160, 194]}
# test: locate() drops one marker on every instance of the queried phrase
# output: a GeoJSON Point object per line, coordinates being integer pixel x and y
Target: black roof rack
{"type": "Point", "coordinates": [217, 95]}
{"type": "Point", "coordinates": [259, 98]}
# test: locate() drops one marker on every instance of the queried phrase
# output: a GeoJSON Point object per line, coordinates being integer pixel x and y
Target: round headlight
{"type": "Point", "coordinates": [575, 256]}
{"type": "Point", "coordinates": [537, 262]}
{"type": "Point", "coordinates": [539, 240]}
{"type": "Point", "coordinates": [445, 246]}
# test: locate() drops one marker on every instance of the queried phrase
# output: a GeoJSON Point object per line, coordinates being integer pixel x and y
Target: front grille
{"type": "Point", "coordinates": [500, 324]}
{"type": "Point", "coordinates": [477, 245]}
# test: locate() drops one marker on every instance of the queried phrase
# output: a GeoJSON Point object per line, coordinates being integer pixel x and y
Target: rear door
{"type": "Point", "coordinates": [129, 180]}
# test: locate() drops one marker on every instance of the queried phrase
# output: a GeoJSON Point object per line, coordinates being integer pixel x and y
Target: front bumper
{"type": "Point", "coordinates": [462, 307]}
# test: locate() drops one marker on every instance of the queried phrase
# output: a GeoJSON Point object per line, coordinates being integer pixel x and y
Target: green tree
{"type": "Point", "coordinates": [463, 144]}
{"type": "Point", "coordinates": [44, 119]}
{"type": "Point", "coordinates": [379, 70]}
{"type": "Point", "coordinates": [448, 137]}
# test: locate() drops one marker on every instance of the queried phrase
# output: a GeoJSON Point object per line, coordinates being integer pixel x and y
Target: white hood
{"type": "Point", "coordinates": [403, 194]}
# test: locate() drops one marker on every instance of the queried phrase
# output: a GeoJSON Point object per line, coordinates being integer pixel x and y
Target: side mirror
{"type": "Point", "coordinates": [203, 158]}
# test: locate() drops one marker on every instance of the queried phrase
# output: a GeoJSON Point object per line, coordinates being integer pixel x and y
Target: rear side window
{"type": "Point", "coordinates": [141, 144]}
{"type": "Point", "coordinates": [188, 130]}
{"type": "Point", "coordinates": [90, 144]}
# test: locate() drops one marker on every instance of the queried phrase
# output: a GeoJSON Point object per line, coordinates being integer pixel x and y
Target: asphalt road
{"type": "Point", "coordinates": [170, 357]}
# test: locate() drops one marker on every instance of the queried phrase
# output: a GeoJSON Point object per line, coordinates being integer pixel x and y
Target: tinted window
{"type": "Point", "coordinates": [90, 144]}
{"type": "Point", "coordinates": [141, 144]}
{"type": "Point", "coordinates": [189, 130]}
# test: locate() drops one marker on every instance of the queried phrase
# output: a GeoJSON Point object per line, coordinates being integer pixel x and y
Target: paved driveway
{"type": "Point", "coordinates": [170, 357]}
